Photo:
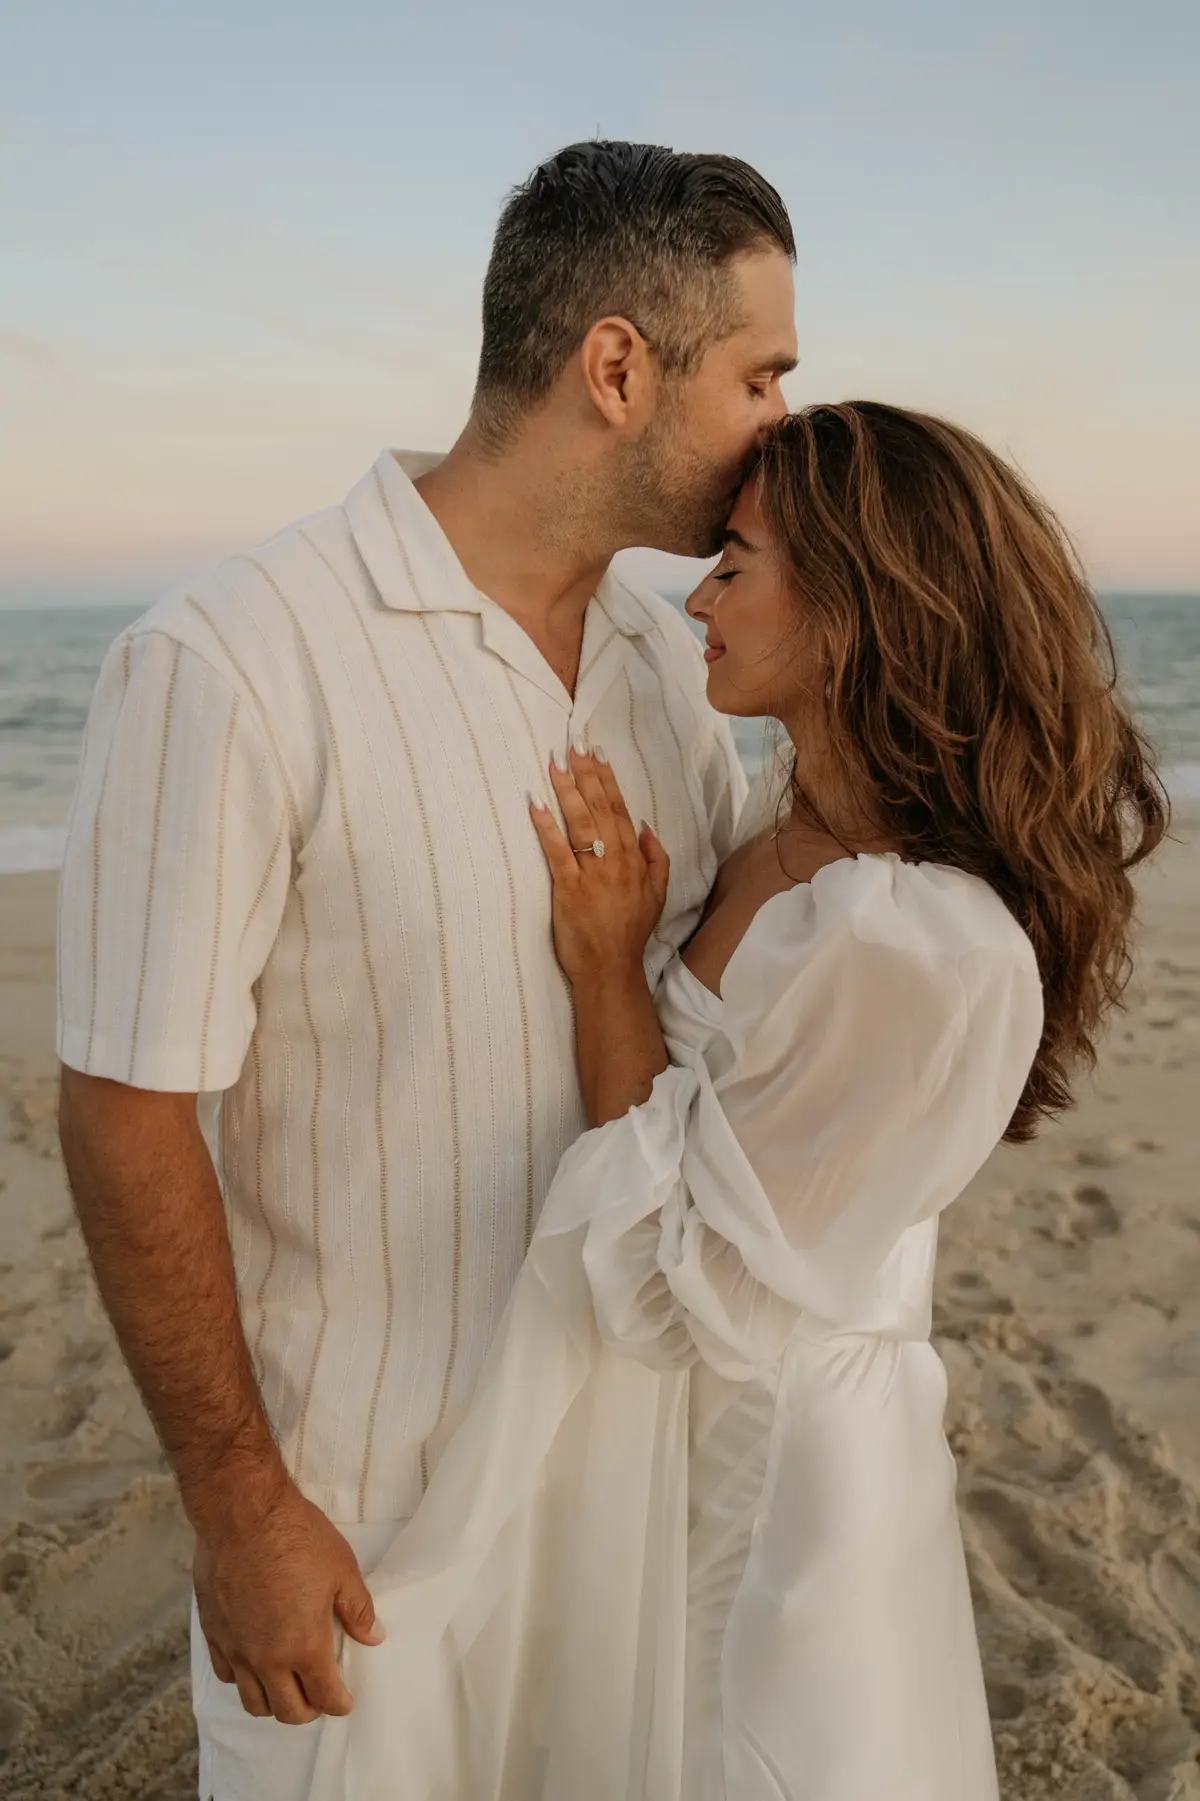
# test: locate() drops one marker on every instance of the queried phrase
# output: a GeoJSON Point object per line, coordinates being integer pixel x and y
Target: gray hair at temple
{"type": "Point", "coordinates": [605, 229]}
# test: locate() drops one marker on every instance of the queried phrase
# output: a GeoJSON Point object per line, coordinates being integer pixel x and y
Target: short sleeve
{"type": "Point", "coordinates": [880, 1024]}
{"type": "Point", "coordinates": [175, 874]}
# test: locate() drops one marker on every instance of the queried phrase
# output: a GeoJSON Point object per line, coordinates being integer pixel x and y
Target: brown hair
{"type": "Point", "coordinates": [613, 228]}
{"type": "Point", "coordinates": [972, 692]}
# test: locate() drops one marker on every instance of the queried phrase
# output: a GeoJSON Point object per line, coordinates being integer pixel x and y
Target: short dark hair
{"type": "Point", "coordinates": [612, 228]}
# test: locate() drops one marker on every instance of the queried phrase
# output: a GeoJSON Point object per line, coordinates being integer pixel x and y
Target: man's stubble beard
{"type": "Point", "coordinates": [673, 498]}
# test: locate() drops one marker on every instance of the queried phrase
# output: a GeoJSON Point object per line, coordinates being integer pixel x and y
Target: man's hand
{"type": "Point", "coordinates": [272, 1575]}
{"type": "Point", "coordinates": [271, 1579]}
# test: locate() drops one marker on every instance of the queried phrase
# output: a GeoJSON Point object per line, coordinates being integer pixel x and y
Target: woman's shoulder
{"type": "Point", "coordinates": [904, 913]}
{"type": "Point", "coordinates": [874, 950]}
{"type": "Point", "coordinates": [930, 909]}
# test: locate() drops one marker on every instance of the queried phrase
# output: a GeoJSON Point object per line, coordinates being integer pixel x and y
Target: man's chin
{"type": "Point", "coordinates": [704, 541]}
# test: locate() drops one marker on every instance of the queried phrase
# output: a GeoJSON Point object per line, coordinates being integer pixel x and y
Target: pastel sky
{"type": "Point", "coordinates": [242, 242]}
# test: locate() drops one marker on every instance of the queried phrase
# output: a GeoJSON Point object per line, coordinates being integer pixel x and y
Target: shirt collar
{"type": "Point", "coordinates": [411, 561]}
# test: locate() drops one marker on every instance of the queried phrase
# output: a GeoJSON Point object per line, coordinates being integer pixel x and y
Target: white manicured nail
{"type": "Point", "coordinates": [580, 746]}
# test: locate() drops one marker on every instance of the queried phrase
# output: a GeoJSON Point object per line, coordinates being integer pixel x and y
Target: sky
{"type": "Point", "coordinates": [242, 243]}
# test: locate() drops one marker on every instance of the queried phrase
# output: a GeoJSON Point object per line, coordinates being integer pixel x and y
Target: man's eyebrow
{"type": "Point", "coordinates": [779, 365]}
{"type": "Point", "coordinates": [732, 537]}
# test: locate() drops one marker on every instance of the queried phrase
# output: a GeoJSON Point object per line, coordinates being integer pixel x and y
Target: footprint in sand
{"type": "Point", "coordinates": [74, 1404]}
{"type": "Point", "coordinates": [14, 1572]}
{"type": "Point", "coordinates": [103, 1676]}
{"type": "Point", "coordinates": [1184, 1354]}
{"type": "Point", "coordinates": [1084, 1550]}
{"type": "Point", "coordinates": [13, 1721]}
{"type": "Point", "coordinates": [1175, 1581]}
{"type": "Point", "coordinates": [1098, 1218]}
{"type": "Point", "coordinates": [76, 1480]}
{"type": "Point", "coordinates": [1032, 1545]}
{"type": "Point", "coordinates": [1087, 1212]}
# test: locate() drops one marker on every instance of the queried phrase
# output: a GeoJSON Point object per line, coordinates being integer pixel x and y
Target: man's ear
{"type": "Point", "coordinates": [620, 376]}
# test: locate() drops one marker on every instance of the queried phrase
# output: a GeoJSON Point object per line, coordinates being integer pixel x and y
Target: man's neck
{"type": "Point", "coordinates": [518, 523]}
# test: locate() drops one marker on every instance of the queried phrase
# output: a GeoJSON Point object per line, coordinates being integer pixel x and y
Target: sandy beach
{"type": "Point", "coordinates": [1068, 1315]}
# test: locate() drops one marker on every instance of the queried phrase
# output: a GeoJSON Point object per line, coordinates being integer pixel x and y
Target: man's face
{"type": "Point", "coordinates": [693, 457]}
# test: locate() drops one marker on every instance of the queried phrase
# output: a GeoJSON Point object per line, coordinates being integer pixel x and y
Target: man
{"type": "Point", "coordinates": [301, 872]}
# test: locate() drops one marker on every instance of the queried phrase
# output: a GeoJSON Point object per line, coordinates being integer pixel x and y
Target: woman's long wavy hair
{"type": "Point", "coordinates": [972, 698]}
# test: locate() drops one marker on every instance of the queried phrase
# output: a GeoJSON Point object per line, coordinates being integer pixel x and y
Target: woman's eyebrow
{"type": "Point", "coordinates": [732, 537]}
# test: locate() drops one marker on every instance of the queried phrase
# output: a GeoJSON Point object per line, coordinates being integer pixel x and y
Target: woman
{"type": "Point", "coordinates": [896, 972]}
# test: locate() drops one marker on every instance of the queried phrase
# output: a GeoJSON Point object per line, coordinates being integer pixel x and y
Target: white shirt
{"type": "Point", "coordinates": [300, 869]}
{"type": "Point", "coordinates": [714, 1409]}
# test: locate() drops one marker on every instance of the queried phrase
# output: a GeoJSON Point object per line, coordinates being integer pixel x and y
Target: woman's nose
{"type": "Point", "coordinates": [694, 606]}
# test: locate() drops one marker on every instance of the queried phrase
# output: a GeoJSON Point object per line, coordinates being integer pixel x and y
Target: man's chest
{"type": "Point", "coordinates": [419, 851]}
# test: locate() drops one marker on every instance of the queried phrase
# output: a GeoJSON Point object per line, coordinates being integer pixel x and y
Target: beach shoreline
{"type": "Point", "coordinates": [1068, 1314]}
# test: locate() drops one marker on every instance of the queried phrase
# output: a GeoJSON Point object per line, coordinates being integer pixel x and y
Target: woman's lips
{"type": "Point", "coordinates": [713, 651]}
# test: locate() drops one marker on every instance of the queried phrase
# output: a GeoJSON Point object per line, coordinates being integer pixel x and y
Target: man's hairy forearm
{"type": "Point", "coordinates": [152, 1217]}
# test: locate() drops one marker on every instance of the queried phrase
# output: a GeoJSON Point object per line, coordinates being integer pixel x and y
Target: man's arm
{"type": "Point", "coordinates": [151, 1213]}
{"type": "Point", "coordinates": [271, 1572]}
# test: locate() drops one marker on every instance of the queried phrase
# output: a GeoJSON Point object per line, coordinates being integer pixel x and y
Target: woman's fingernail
{"type": "Point", "coordinates": [600, 754]}
{"type": "Point", "coordinates": [562, 767]}
{"type": "Point", "coordinates": [580, 746]}
{"type": "Point", "coordinates": [535, 800]}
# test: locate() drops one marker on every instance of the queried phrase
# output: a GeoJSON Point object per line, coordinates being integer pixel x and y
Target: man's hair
{"type": "Point", "coordinates": [632, 230]}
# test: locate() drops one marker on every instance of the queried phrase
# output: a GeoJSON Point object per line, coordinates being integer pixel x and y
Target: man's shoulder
{"type": "Point", "coordinates": [252, 608]}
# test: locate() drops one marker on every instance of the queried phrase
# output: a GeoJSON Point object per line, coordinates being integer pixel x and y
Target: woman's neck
{"type": "Point", "coordinates": [828, 816]}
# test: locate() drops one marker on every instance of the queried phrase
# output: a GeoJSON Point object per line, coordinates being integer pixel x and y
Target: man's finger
{"type": "Point", "coordinates": [323, 1686]}
{"type": "Point", "coordinates": [288, 1702]}
{"type": "Point", "coordinates": [252, 1692]}
{"type": "Point", "coordinates": [356, 1610]}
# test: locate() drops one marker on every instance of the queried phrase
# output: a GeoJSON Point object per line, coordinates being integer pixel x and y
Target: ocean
{"type": "Point", "coordinates": [50, 656]}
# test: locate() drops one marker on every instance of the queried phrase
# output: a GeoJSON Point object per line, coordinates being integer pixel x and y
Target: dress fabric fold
{"type": "Point", "coordinates": [695, 1538]}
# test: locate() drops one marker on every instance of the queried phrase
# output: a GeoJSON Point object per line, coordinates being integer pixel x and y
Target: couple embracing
{"type": "Point", "coordinates": [542, 1344]}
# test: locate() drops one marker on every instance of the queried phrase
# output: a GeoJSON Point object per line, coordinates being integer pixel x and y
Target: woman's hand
{"type": "Point", "coordinates": [605, 906]}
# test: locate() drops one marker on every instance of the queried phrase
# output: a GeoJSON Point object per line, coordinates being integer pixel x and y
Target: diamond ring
{"type": "Point", "coordinates": [595, 849]}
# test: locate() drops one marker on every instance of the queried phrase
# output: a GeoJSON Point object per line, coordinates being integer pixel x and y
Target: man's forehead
{"type": "Point", "coordinates": [760, 350]}
{"type": "Point", "coordinates": [765, 336]}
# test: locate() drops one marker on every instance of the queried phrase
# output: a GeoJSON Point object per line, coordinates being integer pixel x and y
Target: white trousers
{"type": "Point", "coordinates": [247, 1759]}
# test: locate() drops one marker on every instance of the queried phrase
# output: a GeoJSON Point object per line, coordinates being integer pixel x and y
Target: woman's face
{"type": "Point", "coordinates": [759, 662]}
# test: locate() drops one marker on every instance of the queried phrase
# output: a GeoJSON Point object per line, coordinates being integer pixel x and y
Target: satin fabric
{"type": "Point", "coordinates": [739, 1272]}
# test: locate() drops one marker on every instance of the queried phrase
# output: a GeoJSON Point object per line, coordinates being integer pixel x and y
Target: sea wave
{"type": "Point", "coordinates": [28, 847]}
{"type": "Point", "coordinates": [24, 848]}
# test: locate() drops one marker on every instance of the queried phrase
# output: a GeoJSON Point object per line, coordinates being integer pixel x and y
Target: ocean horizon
{"type": "Point", "coordinates": [50, 656]}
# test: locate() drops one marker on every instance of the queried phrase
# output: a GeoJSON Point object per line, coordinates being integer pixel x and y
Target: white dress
{"type": "Point", "coordinates": [696, 1536]}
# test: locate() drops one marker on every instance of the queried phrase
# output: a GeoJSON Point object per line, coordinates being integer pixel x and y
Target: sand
{"type": "Point", "coordinates": [1068, 1314]}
